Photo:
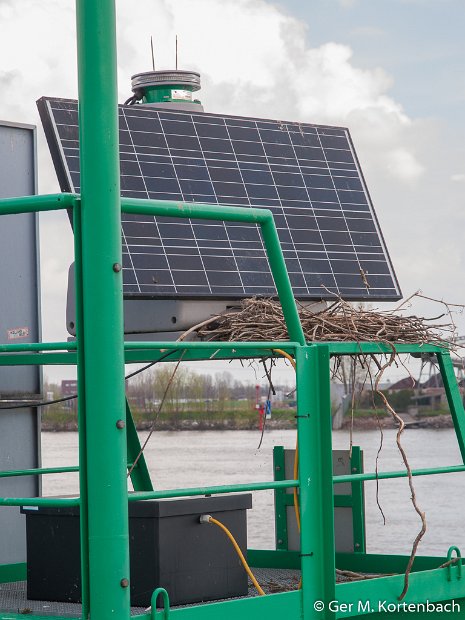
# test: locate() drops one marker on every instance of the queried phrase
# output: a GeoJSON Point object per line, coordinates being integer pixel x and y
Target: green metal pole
{"type": "Point", "coordinates": [316, 483]}
{"type": "Point", "coordinates": [215, 490]}
{"type": "Point", "coordinates": [40, 471]}
{"type": "Point", "coordinates": [386, 475]}
{"type": "Point", "coordinates": [83, 521]}
{"type": "Point", "coordinates": [32, 204]}
{"type": "Point", "coordinates": [454, 398]}
{"type": "Point", "coordinates": [101, 333]}
{"type": "Point", "coordinates": [282, 282]}
{"type": "Point", "coordinates": [37, 346]}
{"type": "Point", "coordinates": [56, 502]}
{"type": "Point", "coordinates": [140, 475]}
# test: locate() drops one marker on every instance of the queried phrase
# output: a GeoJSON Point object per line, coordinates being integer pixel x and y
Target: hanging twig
{"type": "Point", "coordinates": [413, 498]}
{"type": "Point", "coordinates": [160, 407]}
{"type": "Point", "coordinates": [381, 441]}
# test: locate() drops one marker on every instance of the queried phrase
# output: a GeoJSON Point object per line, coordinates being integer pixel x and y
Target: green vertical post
{"type": "Point", "coordinates": [282, 281]}
{"type": "Point", "coordinates": [358, 501]}
{"type": "Point", "coordinates": [83, 523]}
{"type": "Point", "coordinates": [316, 480]}
{"type": "Point", "coordinates": [140, 475]}
{"type": "Point", "coordinates": [281, 498]}
{"type": "Point", "coordinates": [102, 330]}
{"type": "Point", "coordinates": [454, 398]}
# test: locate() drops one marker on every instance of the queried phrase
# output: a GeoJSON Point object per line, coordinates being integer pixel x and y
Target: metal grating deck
{"type": "Point", "coordinates": [13, 596]}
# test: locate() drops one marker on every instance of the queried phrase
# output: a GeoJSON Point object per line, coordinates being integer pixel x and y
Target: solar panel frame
{"type": "Point", "coordinates": [193, 258]}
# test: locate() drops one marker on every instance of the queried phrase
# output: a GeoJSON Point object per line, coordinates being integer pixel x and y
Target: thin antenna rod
{"type": "Point", "coordinates": [176, 52]}
{"type": "Point", "coordinates": [153, 55]}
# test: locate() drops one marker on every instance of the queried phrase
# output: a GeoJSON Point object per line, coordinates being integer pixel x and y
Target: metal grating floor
{"type": "Point", "coordinates": [13, 596]}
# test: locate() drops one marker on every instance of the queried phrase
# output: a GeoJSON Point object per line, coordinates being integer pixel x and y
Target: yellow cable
{"type": "Point", "coordinates": [287, 356]}
{"type": "Point", "coordinates": [296, 458]}
{"type": "Point", "coordinates": [239, 553]}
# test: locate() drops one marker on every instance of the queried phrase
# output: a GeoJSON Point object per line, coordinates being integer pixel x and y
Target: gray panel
{"type": "Point", "coordinates": [343, 517]}
{"type": "Point", "coordinates": [18, 450]}
{"type": "Point", "coordinates": [19, 309]}
{"type": "Point", "coordinates": [19, 322]}
{"type": "Point", "coordinates": [145, 316]}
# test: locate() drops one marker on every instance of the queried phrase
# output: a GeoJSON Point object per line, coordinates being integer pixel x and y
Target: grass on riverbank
{"type": "Point", "coordinates": [56, 418]}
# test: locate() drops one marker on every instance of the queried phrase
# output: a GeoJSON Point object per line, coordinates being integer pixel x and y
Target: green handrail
{"type": "Point", "coordinates": [213, 490]}
{"type": "Point", "coordinates": [52, 502]}
{"type": "Point", "coordinates": [38, 471]}
{"type": "Point", "coordinates": [38, 346]}
{"type": "Point", "coordinates": [32, 204]}
{"type": "Point", "coordinates": [335, 348]}
{"type": "Point", "coordinates": [382, 475]}
{"type": "Point", "coordinates": [147, 495]}
{"type": "Point", "coordinates": [210, 344]}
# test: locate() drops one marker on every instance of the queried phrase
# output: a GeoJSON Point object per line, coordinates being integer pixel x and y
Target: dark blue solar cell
{"type": "Point", "coordinates": [232, 175]}
{"type": "Point", "coordinates": [247, 148]}
{"type": "Point", "coordinates": [214, 145]}
{"type": "Point", "coordinates": [205, 130]}
{"type": "Point", "coordinates": [261, 191]}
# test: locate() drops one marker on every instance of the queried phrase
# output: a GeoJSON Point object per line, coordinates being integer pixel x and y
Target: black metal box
{"type": "Point", "coordinates": [168, 548]}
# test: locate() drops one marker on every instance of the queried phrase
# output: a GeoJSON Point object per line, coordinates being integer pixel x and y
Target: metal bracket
{"type": "Point", "coordinates": [457, 561]}
{"type": "Point", "coordinates": [166, 603]}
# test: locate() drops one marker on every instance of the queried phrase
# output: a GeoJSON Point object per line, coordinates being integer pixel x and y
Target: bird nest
{"type": "Point", "coordinates": [260, 319]}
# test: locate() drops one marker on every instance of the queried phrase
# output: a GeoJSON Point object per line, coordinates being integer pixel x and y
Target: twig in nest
{"type": "Point", "coordinates": [400, 430]}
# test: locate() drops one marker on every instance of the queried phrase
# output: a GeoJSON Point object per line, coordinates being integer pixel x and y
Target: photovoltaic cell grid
{"type": "Point", "coordinates": [307, 175]}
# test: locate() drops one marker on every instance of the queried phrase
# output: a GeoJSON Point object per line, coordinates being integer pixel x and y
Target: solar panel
{"type": "Point", "coordinates": [307, 175]}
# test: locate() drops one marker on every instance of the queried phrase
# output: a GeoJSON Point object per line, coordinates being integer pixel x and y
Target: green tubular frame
{"type": "Point", "coordinates": [106, 445]}
{"type": "Point", "coordinates": [317, 558]}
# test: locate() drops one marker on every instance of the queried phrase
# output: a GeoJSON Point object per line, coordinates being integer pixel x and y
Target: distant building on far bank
{"type": "Point", "coordinates": [68, 389]}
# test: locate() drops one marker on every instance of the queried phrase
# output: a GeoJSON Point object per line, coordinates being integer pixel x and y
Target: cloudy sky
{"type": "Point", "coordinates": [390, 70]}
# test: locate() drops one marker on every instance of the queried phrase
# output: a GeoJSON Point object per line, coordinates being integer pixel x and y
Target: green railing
{"type": "Point", "coordinates": [100, 354]}
{"type": "Point", "coordinates": [314, 432]}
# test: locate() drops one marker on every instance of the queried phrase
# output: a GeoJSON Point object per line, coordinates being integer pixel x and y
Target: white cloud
{"type": "Point", "coordinates": [458, 178]}
{"type": "Point", "coordinates": [403, 165]}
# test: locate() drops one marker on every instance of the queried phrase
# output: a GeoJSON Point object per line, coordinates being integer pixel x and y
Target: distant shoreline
{"type": "Point", "coordinates": [241, 424]}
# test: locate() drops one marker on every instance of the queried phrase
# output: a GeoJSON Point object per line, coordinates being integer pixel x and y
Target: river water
{"type": "Point", "coordinates": [196, 458]}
